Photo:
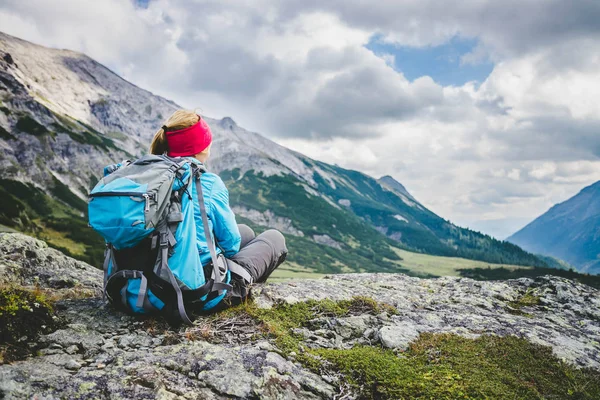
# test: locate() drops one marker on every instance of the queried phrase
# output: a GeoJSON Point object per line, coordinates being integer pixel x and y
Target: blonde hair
{"type": "Point", "coordinates": [180, 119]}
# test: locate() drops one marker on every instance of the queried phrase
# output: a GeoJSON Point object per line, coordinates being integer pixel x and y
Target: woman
{"type": "Point", "coordinates": [186, 134]}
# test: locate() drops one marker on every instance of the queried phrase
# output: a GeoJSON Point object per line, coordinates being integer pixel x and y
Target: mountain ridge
{"type": "Point", "coordinates": [64, 119]}
{"type": "Point", "coordinates": [569, 230]}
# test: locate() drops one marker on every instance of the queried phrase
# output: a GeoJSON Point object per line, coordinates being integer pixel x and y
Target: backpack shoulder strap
{"type": "Point", "coordinates": [232, 267]}
{"type": "Point", "coordinates": [207, 232]}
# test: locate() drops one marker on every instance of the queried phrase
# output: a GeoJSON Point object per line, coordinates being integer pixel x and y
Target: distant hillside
{"type": "Point", "coordinates": [569, 231]}
{"type": "Point", "coordinates": [64, 116]}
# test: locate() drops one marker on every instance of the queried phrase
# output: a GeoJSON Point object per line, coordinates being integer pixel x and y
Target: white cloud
{"type": "Point", "coordinates": [299, 72]}
{"type": "Point", "coordinates": [543, 171]}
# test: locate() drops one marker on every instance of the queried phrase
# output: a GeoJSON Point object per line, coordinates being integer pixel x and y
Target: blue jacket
{"type": "Point", "coordinates": [221, 219]}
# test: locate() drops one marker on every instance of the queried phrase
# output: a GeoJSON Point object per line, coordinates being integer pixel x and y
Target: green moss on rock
{"type": "Point", "coordinates": [529, 299]}
{"type": "Point", "coordinates": [280, 319]}
{"type": "Point", "coordinates": [24, 314]}
{"type": "Point", "coordinates": [444, 366]}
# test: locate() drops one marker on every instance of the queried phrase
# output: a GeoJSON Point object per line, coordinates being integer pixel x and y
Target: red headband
{"type": "Point", "coordinates": [189, 141]}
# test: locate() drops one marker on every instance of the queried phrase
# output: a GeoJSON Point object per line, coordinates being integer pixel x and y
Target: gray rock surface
{"type": "Point", "coordinates": [567, 318]}
{"type": "Point", "coordinates": [100, 353]}
{"type": "Point", "coordinates": [398, 336]}
{"type": "Point", "coordinates": [27, 261]}
{"type": "Point", "coordinates": [327, 241]}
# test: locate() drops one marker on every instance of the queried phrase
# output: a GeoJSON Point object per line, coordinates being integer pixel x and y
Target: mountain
{"type": "Point", "coordinates": [569, 231]}
{"type": "Point", "coordinates": [64, 116]}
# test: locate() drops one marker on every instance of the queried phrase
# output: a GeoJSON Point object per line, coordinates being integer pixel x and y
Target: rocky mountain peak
{"type": "Point", "coordinates": [77, 87]}
{"type": "Point", "coordinates": [227, 123]}
{"type": "Point", "coordinates": [73, 84]}
{"type": "Point", "coordinates": [393, 185]}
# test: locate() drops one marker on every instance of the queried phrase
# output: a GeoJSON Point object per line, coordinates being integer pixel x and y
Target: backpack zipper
{"type": "Point", "coordinates": [146, 196]}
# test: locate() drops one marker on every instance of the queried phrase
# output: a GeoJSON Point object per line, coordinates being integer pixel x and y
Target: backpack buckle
{"type": "Point", "coordinates": [164, 240]}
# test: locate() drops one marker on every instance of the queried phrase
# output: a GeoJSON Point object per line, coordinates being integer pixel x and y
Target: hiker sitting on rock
{"type": "Point", "coordinates": [172, 243]}
{"type": "Point", "coordinates": [185, 134]}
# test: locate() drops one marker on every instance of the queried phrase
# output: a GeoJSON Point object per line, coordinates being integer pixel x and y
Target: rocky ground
{"type": "Point", "coordinates": [98, 353]}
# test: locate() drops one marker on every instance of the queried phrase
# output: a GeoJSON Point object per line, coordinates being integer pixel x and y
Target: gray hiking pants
{"type": "Point", "coordinates": [260, 255]}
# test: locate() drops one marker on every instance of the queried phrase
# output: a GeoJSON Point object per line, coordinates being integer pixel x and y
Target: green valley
{"type": "Point", "coordinates": [403, 218]}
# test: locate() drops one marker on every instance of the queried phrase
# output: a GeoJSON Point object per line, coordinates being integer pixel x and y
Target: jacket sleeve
{"type": "Point", "coordinates": [225, 228]}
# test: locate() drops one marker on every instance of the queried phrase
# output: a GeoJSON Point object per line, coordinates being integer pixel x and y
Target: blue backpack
{"type": "Point", "coordinates": [145, 213]}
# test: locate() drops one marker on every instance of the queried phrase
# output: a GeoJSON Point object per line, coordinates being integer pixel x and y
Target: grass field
{"type": "Point", "coordinates": [61, 240]}
{"type": "Point", "coordinates": [289, 271]}
{"type": "Point", "coordinates": [417, 263]}
{"type": "Point", "coordinates": [442, 266]}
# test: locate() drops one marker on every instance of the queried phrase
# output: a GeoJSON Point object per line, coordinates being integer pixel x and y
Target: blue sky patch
{"type": "Point", "coordinates": [442, 63]}
{"type": "Point", "coordinates": [142, 3]}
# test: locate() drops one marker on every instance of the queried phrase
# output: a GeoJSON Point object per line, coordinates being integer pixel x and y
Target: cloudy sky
{"type": "Point", "coordinates": [487, 111]}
